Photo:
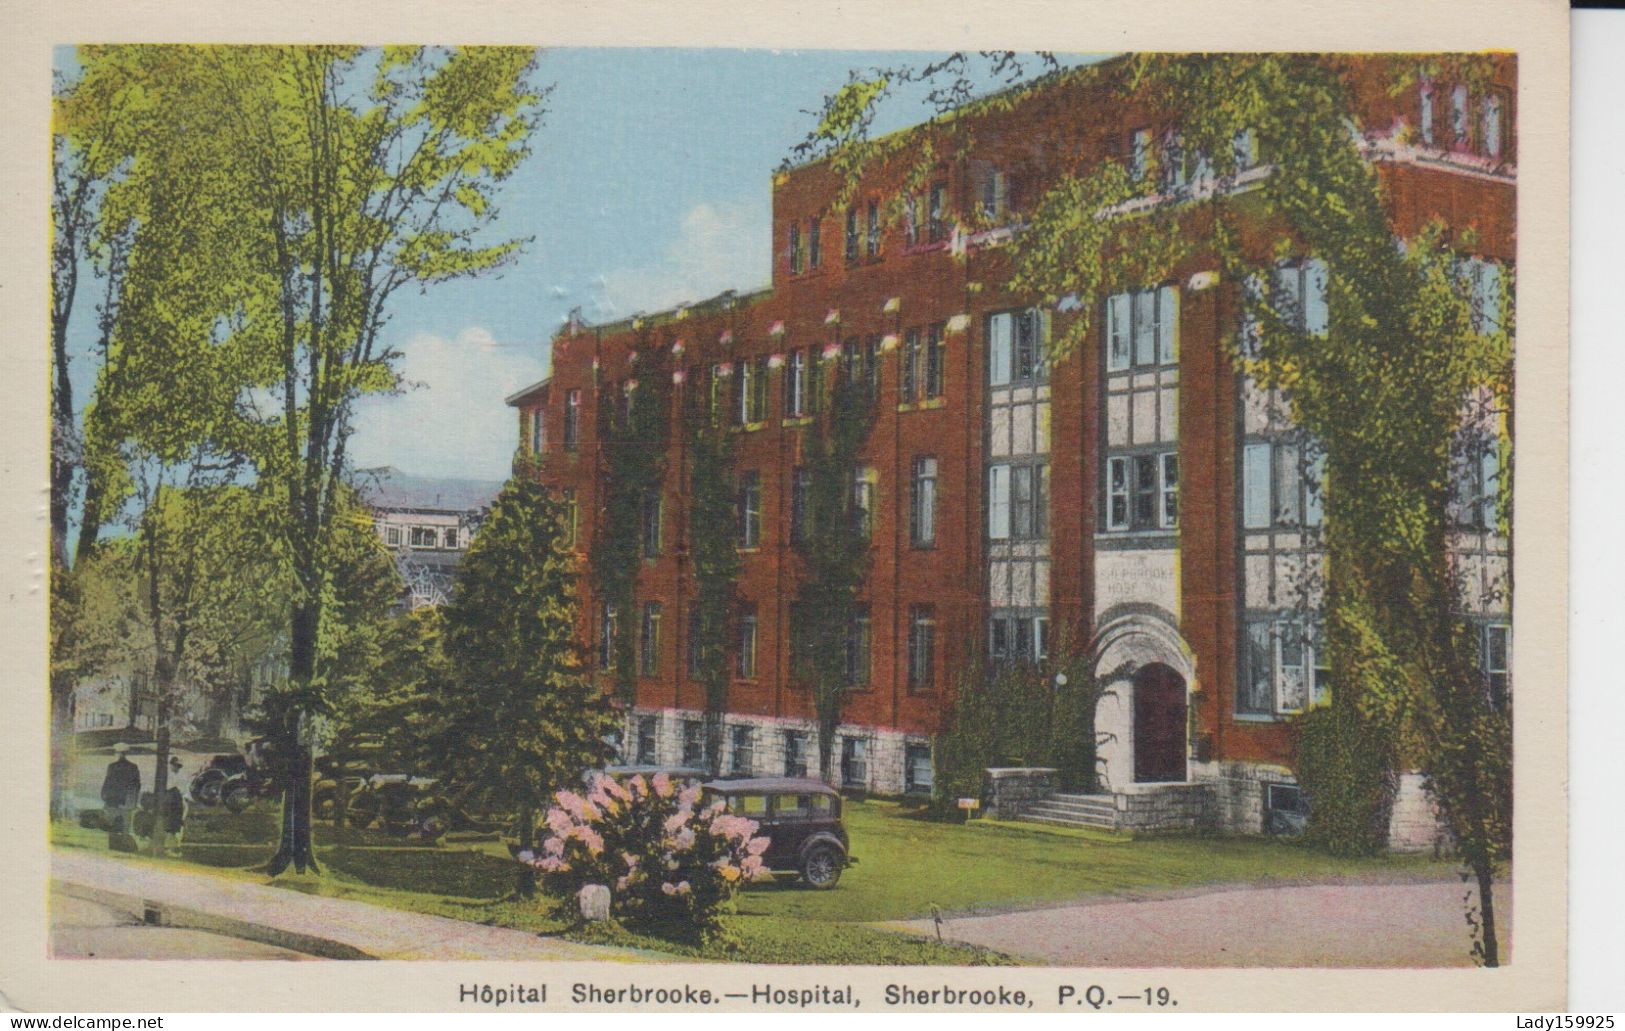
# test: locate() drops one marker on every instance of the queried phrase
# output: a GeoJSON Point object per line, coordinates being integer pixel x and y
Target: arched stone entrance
{"type": "Point", "coordinates": [1160, 724]}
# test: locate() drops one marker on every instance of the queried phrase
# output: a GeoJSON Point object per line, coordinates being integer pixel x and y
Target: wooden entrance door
{"type": "Point", "coordinates": [1159, 724]}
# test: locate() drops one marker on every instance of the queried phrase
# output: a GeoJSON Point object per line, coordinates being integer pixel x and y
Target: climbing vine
{"type": "Point", "coordinates": [634, 424]}
{"type": "Point", "coordinates": [714, 557]}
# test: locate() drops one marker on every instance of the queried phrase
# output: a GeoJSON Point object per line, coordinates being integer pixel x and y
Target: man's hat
{"type": "Point", "coordinates": [121, 747]}
{"type": "Point", "coordinates": [175, 762]}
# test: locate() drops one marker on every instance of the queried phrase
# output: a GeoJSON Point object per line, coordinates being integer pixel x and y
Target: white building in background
{"type": "Point", "coordinates": [427, 524]}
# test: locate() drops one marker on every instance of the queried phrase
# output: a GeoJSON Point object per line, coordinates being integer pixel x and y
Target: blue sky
{"type": "Point", "coordinates": [649, 184]}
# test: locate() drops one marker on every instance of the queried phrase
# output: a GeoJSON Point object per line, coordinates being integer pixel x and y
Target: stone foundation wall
{"type": "Point", "coordinates": [1239, 792]}
{"type": "Point", "coordinates": [1006, 789]}
{"type": "Point", "coordinates": [1167, 807]}
{"type": "Point", "coordinates": [1414, 825]}
{"type": "Point", "coordinates": [886, 774]}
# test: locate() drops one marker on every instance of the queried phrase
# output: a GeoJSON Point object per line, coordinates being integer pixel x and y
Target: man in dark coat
{"type": "Point", "coordinates": [121, 793]}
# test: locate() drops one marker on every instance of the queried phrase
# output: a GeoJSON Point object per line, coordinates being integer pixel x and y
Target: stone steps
{"type": "Point", "coordinates": [1097, 812]}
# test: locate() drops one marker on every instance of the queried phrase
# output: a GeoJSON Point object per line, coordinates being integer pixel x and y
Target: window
{"type": "Point", "coordinates": [1173, 161]}
{"type": "Point", "coordinates": [800, 485]}
{"type": "Point", "coordinates": [1482, 279]}
{"type": "Point", "coordinates": [1281, 670]}
{"type": "Point", "coordinates": [814, 246]}
{"type": "Point", "coordinates": [935, 360]}
{"type": "Point", "coordinates": [1476, 477]}
{"type": "Point", "coordinates": [922, 635]}
{"type": "Point", "coordinates": [795, 385]}
{"type": "Point", "coordinates": [756, 395]}
{"type": "Point", "coordinates": [1142, 491]}
{"type": "Point", "coordinates": [872, 233]}
{"type": "Point", "coordinates": [1017, 347]}
{"type": "Point", "coordinates": [1425, 119]}
{"type": "Point", "coordinates": [1491, 126]}
{"type": "Point", "coordinates": [392, 536]}
{"type": "Point", "coordinates": [937, 227]}
{"type": "Point", "coordinates": [795, 753]}
{"type": "Point", "coordinates": [1017, 637]}
{"type": "Point", "coordinates": [1460, 123]}
{"type": "Point", "coordinates": [911, 367]}
{"type": "Point", "coordinates": [1140, 154]}
{"type": "Point", "coordinates": [572, 420]}
{"type": "Point", "coordinates": [1244, 148]}
{"type": "Point", "coordinates": [998, 502]}
{"type": "Point", "coordinates": [922, 511]}
{"type": "Point", "coordinates": [745, 664]}
{"type": "Point", "coordinates": [606, 636]}
{"type": "Point", "coordinates": [750, 509]}
{"type": "Point", "coordinates": [857, 648]}
{"type": "Point", "coordinates": [649, 513]}
{"type": "Point", "coordinates": [917, 769]}
{"type": "Point", "coordinates": [1497, 664]}
{"type": "Point", "coordinates": [851, 235]}
{"type": "Point", "coordinates": [863, 501]}
{"type": "Point", "coordinates": [1142, 328]}
{"type": "Point", "coordinates": [1300, 296]}
{"type": "Point", "coordinates": [647, 725]}
{"type": "Point", "coordinates": [795, 248]}
{"type": "Point", "coordinates": [424, 537]}
{"type": "Point", "coordinates": [854, 762]}
{"type": "Point", "coordinates": [451, 537]}
{"type": "Point", "coordinates": [570, 516]}
{"type": "Point", "coordinates": [1281, 485]}
{"type": "Point", "coordinates": [744, 387]}
{"type": "Point", "coordinates": [538, 431]}
{"type": "Point", "coordinates": [740, 760]}
{"type": "Point", "coordinates": [995, 194]}
{"type": "Point", "coordinates": [693, 743]}
{"type": "Point", "coordinates": [649, 641]}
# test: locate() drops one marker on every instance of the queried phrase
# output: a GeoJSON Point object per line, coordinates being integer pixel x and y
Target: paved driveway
{"type": "Point", "coordinates": [1332, 925]}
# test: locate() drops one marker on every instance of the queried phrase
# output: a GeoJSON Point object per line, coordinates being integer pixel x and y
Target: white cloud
{"type": "Point", "coordinates": [720, 246]}
{"type": "Point", "coordinates": [449, 420]}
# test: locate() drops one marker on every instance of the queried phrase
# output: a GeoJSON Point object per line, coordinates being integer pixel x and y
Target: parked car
{"type": "Point", "coordinates": [210, 781]}
{"type": "Point", "coordinates": [802, 820]}
{"type": "Point", "coordinates": [680, 774]}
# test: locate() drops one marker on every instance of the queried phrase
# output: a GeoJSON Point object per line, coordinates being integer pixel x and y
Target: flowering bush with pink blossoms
{"type": "Point", "coordinates": [670, 863]}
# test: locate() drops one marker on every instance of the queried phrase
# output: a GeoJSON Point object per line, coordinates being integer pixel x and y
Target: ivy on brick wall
{"type": "Point", "coordinates": [713, 554]}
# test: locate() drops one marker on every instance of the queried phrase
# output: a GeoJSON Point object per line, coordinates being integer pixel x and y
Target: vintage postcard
{"type": "Point", "coordinates": [653, 522]}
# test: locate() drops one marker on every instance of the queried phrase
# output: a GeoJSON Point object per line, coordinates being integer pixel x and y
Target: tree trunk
{"type": "Point", "coordinates": [160, 777]}
{"type": "Point", "coordinates": [525, 881]}
{"type": "Point", "coordinates": [1484, 870]}
{"type": "Point", "coordinates": [292, 757]}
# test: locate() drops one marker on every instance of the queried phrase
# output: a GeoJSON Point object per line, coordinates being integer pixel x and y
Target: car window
{"type": "Point", "coordinates": [822, 805]}
{"type": "Point", "coordinates": [792, 806]}
{"type": "Point", "coordinates": [748, 805]}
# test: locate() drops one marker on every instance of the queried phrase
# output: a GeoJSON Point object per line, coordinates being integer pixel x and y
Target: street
{"type": "Point", "coordinates": [81, 929]}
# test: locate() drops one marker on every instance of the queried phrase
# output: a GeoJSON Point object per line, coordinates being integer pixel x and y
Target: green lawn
{"type": "Point", "coordinates": [907, 866]}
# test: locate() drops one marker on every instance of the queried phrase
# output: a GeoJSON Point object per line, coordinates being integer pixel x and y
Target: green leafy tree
{"type": "Point", "coordinates": [520, 717]}
{"type": "Point", "coordinates": [834, 551]}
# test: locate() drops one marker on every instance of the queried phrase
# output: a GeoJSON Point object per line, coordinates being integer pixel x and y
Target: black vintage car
{"type": "Point", "coordinates": [802, 819]}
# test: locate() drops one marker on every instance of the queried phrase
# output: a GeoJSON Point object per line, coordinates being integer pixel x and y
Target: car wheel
{"type": "Point", "coordinates": [821, 867]}
{"type": "Point", "coordinates": [236, 796]}
{"type": "Point", "coordinates": [206, 789]}
{"type": "Point", "coordinates": [362, 810]}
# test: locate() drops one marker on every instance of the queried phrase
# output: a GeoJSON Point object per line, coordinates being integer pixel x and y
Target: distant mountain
{"type": "Point", "coordinates": [390, 488]}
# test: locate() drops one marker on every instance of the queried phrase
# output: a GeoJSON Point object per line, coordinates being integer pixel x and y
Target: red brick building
{"type": "Point", "coordinates": [1138, 489]}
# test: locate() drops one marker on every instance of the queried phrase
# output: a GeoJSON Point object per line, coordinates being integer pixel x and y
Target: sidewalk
{"type": "Point", "coordinates": [327, 927]}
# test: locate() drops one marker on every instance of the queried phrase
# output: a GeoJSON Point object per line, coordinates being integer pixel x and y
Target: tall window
{"type": "Point", "coordinates": [937, 226]}
{"type": "Point", "coordinates": [800, 486]}
{"type": "Point", "coordinates": [1498, 664]}
{"type": "Point", "coordinates": [1482, 278]}
{"type": "Point", "coordinates": [647, 753]}
{"type": "Point", "coordinates": [872, 231]}
{"type": "Point", "coordinates": [1018, 501]}
{"type": "Point", "coordinates": [1492, 125]}
{"type": "Point", "coordinates": [1301, 297]}
{"type": "Point", "coordinates": [922, 512]}
{"type": "Point", "coordinates": [922, 642]}
{"type": "Point", "coordinates": [572, 420]}
{"type": "Point", "coordinates": [854, 762]}
{"type": "Point", "coordinates": [693, 743]}
{"type": "Point", "coordinates": [815, 250]}
{"type": "Point", "coordinates": [1281, 486]}
{"type": "Point", "coordinates": [570, 516]}
{"type": "Point", "coordinates": [1460, 121]}
{"type": "Point", "coordinates": [650, 512]}
{"type": "Point", "coordinates": [756, 396]}
{"type": "Point", "coordinates": [649, 641]}
{"type": "Point", "coordinates": [1476, 479]}
{"type": "Point", "coordinates": [795, 753]}
{"type": "Point", "coordinates": [795, 385]}
{"type": "Point", "coordinates": [744, 389]}
{"type": "Point", "coordinates": [935, 361]}
{"type": "Point", "coordinates": [606, 635]}
{"type": "Point", "coordinates": [858, 648]}
{"type": "Point", "coordinates": [1140, 154]}
{"type": "Point", "coordinates": [995, 194]}
{"type": "Point", "coordinates": [1425, 118]}
{"type": "Point", "coordinates": [1016, 347]}
{"type": "Point", "coordinates": [917, 769]}
{"type": "Point", "coordinates": [1281, 672]}
{"type": "Point", "coordinates": [795, 247]}
{"type": "Point", "coordinates": [863, 501]}
{"type": "Point", "coordinates": [741, 759]}
{"type": "Point", "coordinates": [750, 509]}
{"type": "Point", "coordinates": [908, 375]}
{"type": "Point", "coordinates": [695, 642]}
{"type": "Point", "coordinates": [851, 235]}
{"type": "Point", "coordinates": [1142, 328]}
{"type": "Point", "coordinates": [538, 431]}
{"type": "Point", "coordinates": [745, 653]}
